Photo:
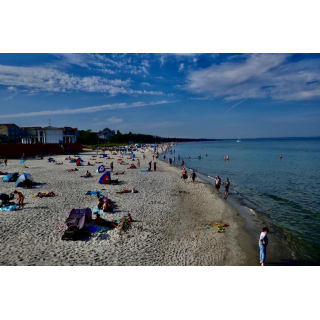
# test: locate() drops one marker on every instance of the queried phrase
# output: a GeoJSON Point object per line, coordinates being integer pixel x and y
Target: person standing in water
{"type": "Point", "coordinates": [170, 161]}
{"type": "Point", "coordinates": [226, 189]}
{"type": "Point", "coordinates": [182, 162]}
{"type": "Point", "coordinates": [280, 156]}
{"type": "Point", "coordinates": [263, 243]}
{"type": "Point", "coordinates": [188, 157]}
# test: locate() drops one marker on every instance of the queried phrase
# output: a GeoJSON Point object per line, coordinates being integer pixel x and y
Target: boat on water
{"type": "Point", "coordinates": [238, 139]}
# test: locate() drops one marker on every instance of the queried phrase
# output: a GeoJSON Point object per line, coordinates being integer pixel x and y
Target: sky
{"type": "Point", "coordinates": [181, 95]}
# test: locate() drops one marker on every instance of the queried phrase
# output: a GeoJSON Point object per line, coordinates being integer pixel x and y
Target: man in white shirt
{"type": "Point", "coordinates": [263, 242]}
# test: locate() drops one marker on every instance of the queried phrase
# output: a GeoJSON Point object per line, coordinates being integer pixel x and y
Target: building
{"type": "Point", "coordinates": [29, 135]}
{"type": "Point", "coordinates": [50, 135]}
{"type": "Point", "coordinates": [105, 133]}
{"type": "Point", "coordinates": [70, 134]}
{"type": "Point", "coordinates": [11, 131]}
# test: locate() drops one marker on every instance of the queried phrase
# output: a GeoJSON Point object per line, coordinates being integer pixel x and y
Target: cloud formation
{"type": "Point", "coordinates": [84, 110]}
{"type": "Point", "coordinates": [258, 76]}
{"type": "Point", "coordinates": [52, 80]}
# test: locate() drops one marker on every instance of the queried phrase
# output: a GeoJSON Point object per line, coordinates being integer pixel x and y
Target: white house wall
{"type": "Point", "coordinates": [53, 136]}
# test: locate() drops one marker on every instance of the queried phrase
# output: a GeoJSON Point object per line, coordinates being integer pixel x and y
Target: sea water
{"type": "Point", "coordinates": [285, 191]}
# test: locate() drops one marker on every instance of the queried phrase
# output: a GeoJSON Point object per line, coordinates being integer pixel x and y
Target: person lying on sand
{"type": "Point", "coordinates": [88, 174]}
{"type": "Point", "coordinates": [71, 170]}
{"type": "Point", "coordinates": [58, 163]}
{"type": "Point", "coordinates": [89, 164]}
{"type": "Point", "coordinates": [3, 173]}
{"type": "Point", "coordinates": [46, 194]}
{"type": "Point", "coordinates": [20, 199]}
{"type": "Point", "coordinates": [101, 222]}
{"type": "Point", "coordinates": [132, 166]}
{"type": "Point", "coordinates": [128, 191]}
{"type": "Point", "coordinates": [69, 158]}
{"type": "Point", "coordinates": [116, 174]}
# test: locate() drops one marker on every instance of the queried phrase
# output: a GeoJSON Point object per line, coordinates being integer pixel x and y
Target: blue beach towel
{"type": "Point", "coordinates": [144, 171]}
{"type": "Point", "coordinates": [22, 161]}
{"type": "Point", "coordinates": [95, 209]}
{"type": "Point", "coordinates": [10, 208]}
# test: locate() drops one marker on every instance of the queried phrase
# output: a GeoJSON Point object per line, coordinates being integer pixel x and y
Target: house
{"type": "Point", "coordinates": [50, 135]}
{"type": "Point", "coordinates": [29, 135]}
{"type": "Point", "coordinates": [70, 135]}
{"type": "Point", "coordinates": [105, 133]}
{"type": "Point", "coordinates": [11, 131]}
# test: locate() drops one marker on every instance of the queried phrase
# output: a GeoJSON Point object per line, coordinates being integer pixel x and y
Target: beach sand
{"type": "Point", "coordinates": [169, 215]}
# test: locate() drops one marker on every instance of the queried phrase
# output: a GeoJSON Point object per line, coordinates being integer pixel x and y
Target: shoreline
{"type": "Point", "coordinates": [278, 252]}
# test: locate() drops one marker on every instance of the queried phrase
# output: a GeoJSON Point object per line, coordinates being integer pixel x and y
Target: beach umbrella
{"type": "Point", "coordinates": [101, 169]}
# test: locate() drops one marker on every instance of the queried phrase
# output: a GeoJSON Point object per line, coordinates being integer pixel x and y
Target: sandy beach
{"type": "Point", "coordinates": [169, 216]}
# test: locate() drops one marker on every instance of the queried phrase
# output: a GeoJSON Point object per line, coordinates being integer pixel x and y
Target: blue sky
{"type": "Point", "coordinates": [170, 95]}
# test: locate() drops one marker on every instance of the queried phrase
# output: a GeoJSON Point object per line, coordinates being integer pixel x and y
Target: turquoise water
{"type": "Point", "coordinates": [286, 192]}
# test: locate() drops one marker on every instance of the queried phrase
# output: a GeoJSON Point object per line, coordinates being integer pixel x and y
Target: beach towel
{"type": "Point", "coordinates": [10, 208]}
{"type": "Point", "coordinates": [144, 171]}
{"type": "Point", "coordinates": [88, 193]}
{"type": "Point", "coordinates": [22, 161]}
{"type": "Point", "coordinates": [95, 209]}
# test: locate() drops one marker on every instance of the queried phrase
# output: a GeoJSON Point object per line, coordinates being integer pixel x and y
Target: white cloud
{"type": "Point", "coordinates": [162, 61]}
{"type": "Point", "coordinates": [108, 71]}
{"type": "Point", "coordinates": [181, 66]}
{"type": "Point", "coordinates": [145, 63]}
{"type": "Point", "coordinates": [51, 80]}
{"type": "Point", "coordinates": [84, 110]}
{"type": "Point", "coordinates": [236, 104]}
{"type": "Point", "coordinates": [258, 76]}
{"type": "Point", "coordinates": [146, 84]}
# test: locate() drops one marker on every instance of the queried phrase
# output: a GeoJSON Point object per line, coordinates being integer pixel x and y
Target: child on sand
{"type": "Point", "coordinates": [20, 199]}
{"type": "Point", "coordinates": [263, 242]}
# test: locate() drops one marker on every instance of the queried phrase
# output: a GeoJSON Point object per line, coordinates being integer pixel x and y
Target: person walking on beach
{"type": "Point", "coordinates": [111, 166]}
{"type": "Point", "coordinates": [226, 189]}
{"type": "Point", "coordinates": [193, 175]}
{"type": "Point", "coordinates": [5, 161]}
{"type": "Point", "coordinates": [263, 243]}
{"type": "Point", "coordinates": [150, 163]}
{"type": "Point", "coordinates": [20, 199]}
{"type": "Point", "coordinates": [138, 163]}
{"type": "Point", "coordinates": [184, 174]}
{"type": "Point", "coordinates": [217, 183]}
{"type": "Point", "coordinates": [154, 166]}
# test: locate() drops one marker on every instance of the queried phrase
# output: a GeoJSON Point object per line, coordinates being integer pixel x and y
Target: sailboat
{"type": "Point", "coordinates": [238, 139]}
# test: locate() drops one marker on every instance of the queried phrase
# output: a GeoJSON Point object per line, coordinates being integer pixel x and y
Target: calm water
{"type": "Point", "coordinates": [286, 192]}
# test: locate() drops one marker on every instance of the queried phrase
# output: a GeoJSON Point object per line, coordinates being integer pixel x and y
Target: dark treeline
{"type": "Point", "coordinates": [88, 137]}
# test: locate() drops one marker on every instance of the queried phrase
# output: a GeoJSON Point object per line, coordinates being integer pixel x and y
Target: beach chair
{"type": "Point", "coordinates": [75, 223]}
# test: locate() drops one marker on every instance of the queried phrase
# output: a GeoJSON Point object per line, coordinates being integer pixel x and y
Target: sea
{"type": "Point", "coordinates": [284, 192]}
